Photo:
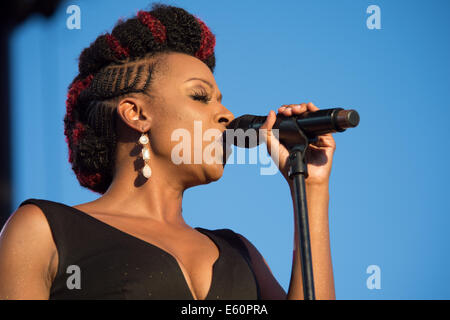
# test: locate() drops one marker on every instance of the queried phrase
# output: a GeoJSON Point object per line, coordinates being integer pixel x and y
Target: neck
{"type": "Point", "coordinates": [158, 198]}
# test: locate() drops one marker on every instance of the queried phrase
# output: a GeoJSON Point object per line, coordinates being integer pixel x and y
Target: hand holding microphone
{"type": "Point", "coordinates": [313, 122]}
{"type": "Point", "coordinates": [319, 154]}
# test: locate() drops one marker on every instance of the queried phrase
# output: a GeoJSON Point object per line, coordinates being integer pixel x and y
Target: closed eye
{"type": "Point", "coordinates": [201, 96]}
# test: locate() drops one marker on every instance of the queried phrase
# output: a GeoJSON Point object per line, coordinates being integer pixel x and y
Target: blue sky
{"type": "Point", "coordinates": [388, 189]}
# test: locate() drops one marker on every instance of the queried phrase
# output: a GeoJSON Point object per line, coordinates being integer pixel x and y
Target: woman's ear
{"type": "Point", "coordinates": [133, 113]}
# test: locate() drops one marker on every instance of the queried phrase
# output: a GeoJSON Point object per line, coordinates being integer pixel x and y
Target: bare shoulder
{"type": "Point", "coordinates": [27, 224]}
{"type": "Point", "coordinates": [270, 288]}
{"type": "Point", "coordinates": [27, 221]}
{"type": "Point", "coordinates": [26, 251]}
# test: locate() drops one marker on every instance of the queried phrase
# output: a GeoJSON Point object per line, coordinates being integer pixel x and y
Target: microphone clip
{"type": "Point", "coordinates": [297, 152]}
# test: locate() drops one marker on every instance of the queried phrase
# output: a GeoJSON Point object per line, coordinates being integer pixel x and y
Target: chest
{"type": "Point", "coordinates": [192, 253]}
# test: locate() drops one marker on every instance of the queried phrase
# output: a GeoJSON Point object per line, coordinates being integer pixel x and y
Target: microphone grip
{"type": "Point", "coordinates": [327, 121]}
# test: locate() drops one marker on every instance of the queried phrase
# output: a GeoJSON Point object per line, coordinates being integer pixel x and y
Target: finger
{"type": "Point", "coordinates": [299, 108]}
{"type": "Point", "coordinates": [293, 109]}
{"type": "Point", "coordinates": [270, 120]}
{"type": "Point", "coordinates": [311, 107]}
{"type": "Point", "coordinates": [286, 111]}
{"type": "Point", "coordinates": [325, 140]}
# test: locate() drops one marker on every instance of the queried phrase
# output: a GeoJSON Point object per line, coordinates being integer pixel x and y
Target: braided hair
{"type": "Point", "coordinates": [115, 65]}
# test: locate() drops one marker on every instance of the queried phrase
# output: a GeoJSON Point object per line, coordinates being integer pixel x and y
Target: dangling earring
{"type": "Point", "coordinates": [143, 140]}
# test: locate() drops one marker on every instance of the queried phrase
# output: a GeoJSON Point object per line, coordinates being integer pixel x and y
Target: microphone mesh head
{"type": "Point", "coordinates": [347, 119]}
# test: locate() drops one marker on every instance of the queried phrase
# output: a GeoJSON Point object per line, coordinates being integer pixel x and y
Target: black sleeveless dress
{"type": "Point", "coordinates": [113, 264]}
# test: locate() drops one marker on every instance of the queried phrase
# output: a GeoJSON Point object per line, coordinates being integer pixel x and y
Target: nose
{"type": "Point", "coordinates": [225, 118]}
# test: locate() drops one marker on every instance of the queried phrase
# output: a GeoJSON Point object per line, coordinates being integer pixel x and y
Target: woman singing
{"type": "Point", "coordinates": [151, 76]}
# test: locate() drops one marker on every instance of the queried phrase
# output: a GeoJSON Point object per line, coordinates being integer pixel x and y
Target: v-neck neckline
{"type": "Point", "coordinates": [170, 256]}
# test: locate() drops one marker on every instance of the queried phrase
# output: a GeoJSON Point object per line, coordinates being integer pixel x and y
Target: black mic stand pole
{"type": "Point", "coordinates": [298, 173]}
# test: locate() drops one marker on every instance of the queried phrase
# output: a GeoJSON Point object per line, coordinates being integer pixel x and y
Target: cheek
{"type": "Point", "coordinates": [178, 129]}
{"type": "Point", "coordinates": [179, 136]}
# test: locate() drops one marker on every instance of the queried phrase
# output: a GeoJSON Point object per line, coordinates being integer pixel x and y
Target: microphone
{"type": "Point", "coordinates": [312, 123]}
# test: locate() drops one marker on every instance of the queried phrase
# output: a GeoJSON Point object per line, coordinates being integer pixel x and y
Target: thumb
{"type": "Point", "coordinates": [270, 121]}
{"type": "Point", "coordinates": [267, 134]}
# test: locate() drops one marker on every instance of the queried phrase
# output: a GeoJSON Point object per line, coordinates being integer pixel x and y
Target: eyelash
{"type": "Point", "coordinates": [201, 97]}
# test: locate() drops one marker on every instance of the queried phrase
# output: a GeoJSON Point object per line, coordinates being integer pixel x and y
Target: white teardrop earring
{"type": "Point", "coordinates": [144, 141]}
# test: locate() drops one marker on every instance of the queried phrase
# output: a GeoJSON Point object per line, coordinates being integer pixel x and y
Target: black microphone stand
{"type": "Point", "coordinates": [296, 142]}
{"type": "Point", "coordinates": [298, 172]}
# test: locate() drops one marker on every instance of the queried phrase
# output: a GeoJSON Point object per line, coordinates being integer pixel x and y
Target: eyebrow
{"type": "Point", "coordinates": [208, 83]}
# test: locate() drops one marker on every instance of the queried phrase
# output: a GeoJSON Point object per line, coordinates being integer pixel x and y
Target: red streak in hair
{"type": "Point", "coordinates": [208, 42]}
{"type": "Point", "coordinates": [156, 27]}
{"type": "Point", "coordinates": [74, 92]}
{"type": "Point", "coordinates": [115, 46]}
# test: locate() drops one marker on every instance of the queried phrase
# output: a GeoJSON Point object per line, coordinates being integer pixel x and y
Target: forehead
{"type": "Point", "coordinates": [180, 67]}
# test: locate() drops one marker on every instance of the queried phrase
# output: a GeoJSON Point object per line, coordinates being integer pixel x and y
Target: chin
{"type": "Point", "coordinates": [214, 172]}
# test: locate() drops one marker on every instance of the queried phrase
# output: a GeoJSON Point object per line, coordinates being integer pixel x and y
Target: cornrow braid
{"type": "Point", "coordinates": [115, 65]}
